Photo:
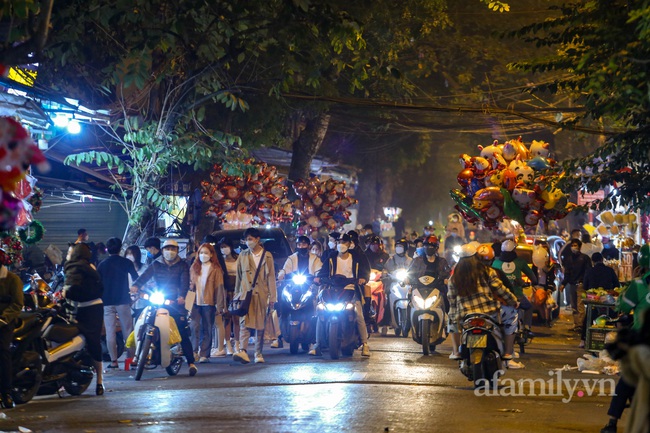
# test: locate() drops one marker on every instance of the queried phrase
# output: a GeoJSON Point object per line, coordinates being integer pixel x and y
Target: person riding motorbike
{"type": "Point", "coordinates": [302, 262]}
{"type": "Point", "coordinates": [432, 265]}
{"type": "Point", "coordinates": [400, 260]}
{"type": "Point", "coordinates": [376, 254]}
{"type": "Point", "coordinates": [474, 288]}
{"type": "Point", "coordinates": [349, 264]}
{"type": "Point", "coordinates": [172, 277]}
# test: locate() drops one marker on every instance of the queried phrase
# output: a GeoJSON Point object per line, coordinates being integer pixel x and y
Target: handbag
{"type": "Point", "coordinates": [239, 307]}
{"type": "Point", "coordinates": [189, 300]}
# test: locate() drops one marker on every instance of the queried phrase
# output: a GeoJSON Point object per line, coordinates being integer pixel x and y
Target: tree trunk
{"type": "Point", "coordinates": [307, 145]}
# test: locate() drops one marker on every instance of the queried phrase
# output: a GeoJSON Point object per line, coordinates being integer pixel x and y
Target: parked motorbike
{"type": "Point", "coordinates": [336, 311]}
{"type": "Point", "coordinates": [38, 293]}
{"type": "Point", "coordinates": [481, 349]}
{"type": "Point", "coordinates": [427, 314]}
{"type": "Point", "coordinates": [48, 352]}
{"type": "Point", "coordinates": [398, 303]}
{"type": "Point", "coordinates": [152, 331]}
{"type": "Point", "coordinates": [377, 301]}
{"type": "Point", "coordinates": [296, 309]}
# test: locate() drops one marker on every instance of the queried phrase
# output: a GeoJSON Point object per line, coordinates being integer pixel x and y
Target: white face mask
{"type": "Point", "coordinates": [205, 258]}
{"type": "Point", "coordinates": [332, 244]}
{"type": "Point", "coordinates": [251, 244]}
{"type": "Point", "coordinates": [342, 248]}
{"type": "Point", "coordinates": [399, 250]}
{"type": "Point", "coordinates": [170, 255]}
{"type": "Point", "coordinates": [315, 252]}
{"type": "Point", "coordinates": [130, 257]}
{"type": "Point", "coordinates": [225, 251]}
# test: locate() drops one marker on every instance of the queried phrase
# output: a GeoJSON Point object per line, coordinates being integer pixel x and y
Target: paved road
{"type": "Point", "coordinates": [396, 390]}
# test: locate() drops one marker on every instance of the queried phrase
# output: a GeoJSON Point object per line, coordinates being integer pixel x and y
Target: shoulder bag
{"type": "Point", "coordinates": [239, 307]}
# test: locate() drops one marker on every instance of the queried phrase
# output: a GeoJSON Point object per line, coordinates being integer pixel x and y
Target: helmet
{"type": "Point", "coordinates": [644, 256]}
{"type": "Point", "coordinates": [468, 250]}
{"type": "Point", "coordinates": [485, 252]}
{"type": "Point", "coordinates": [432, 240]}
{"type": "Point", "coordinates": [402, 241]}
{"type": "Point", "coordinates": [374, 239]}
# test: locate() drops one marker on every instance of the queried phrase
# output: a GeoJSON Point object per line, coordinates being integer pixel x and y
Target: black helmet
{"type": "Point", "coordinates": [402, 241]}
{"type": "Point", "coordinates": [374, 239]}
{"type": "Point", "coordinates": [354, 236]}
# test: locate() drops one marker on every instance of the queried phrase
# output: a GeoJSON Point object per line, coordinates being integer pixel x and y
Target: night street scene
{"type": "Point", "coordinates": [325, 216]}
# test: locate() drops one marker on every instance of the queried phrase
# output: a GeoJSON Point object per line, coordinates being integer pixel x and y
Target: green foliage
{"type": "Point", "coordinates": [602, 49]}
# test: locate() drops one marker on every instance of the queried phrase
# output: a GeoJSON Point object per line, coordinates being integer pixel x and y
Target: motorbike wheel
{"type": "Point", "coordinates": [398, 331]}
{"type": "Point", "coordinates": [294, 337]}
{"type": "Point", "coordinates": [347, 351]}
{"type": "Point", "coordinates": [491, 366]}
{"type": "Point", "coordinates": [175, 366]}
{"type": "Point", "coordinates": [76, 387]}
{"type": "Point", "coordinates": [334, 341]}
{"type": "Point", "coordinates": [143, 356]}
{"type": "Point", "coordinates": [23, 394]}
{"type": "Point", "coordinates": [426, 328]}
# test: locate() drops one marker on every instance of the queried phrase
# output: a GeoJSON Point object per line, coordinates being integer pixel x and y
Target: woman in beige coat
{"type": "Point", "coordinates": [206, 279]}
{"type": "Point", "coordinates": [264, 293]}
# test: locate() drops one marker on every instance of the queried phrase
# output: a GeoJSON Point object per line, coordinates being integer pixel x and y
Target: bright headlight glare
{"type": "Point", "coordinates": [430, 301]}
{"type": "Point", "coordinates": [418, 302]}
{"type": "Point", "coordinates": [299, 279]}
{"type": "Point", "coordinates": [373, 275]}
{"type": "Point", "coordinates": [286, 295]}
{"type": "Point", "coordinates": [157, 298]}
{"type": "Point", "coordinates": [335, 307]}
{"type": "Point", "coordinates": [305, 296]}
{"type": "Point", "coordinates": [401, 274]}
{"type": "Point", "coordinates": [458, 249]}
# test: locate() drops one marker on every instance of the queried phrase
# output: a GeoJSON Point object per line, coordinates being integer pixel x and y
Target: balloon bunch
{"type": "Point", "coordinates": [17, 152]}
{"type": "Point", "coordinates": [506, 180]}
{"type": "Point", "coordinates": [322, 203]}
{"type": "Point", "coordinates": [257, 196]}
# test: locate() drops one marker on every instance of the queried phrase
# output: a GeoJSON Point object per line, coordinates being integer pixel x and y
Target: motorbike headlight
{"type": "Point", "coordinates": [430, 301]}
{"type": "Point", "coordinates": [458, 249]}
{"type": "Point", "coordinates": [157, 298]}
{"type": "Point", "coordinates": [299, 279]}
{"type": "Point", "coordinates": [335, 307]}
{"type": "Point", "coordinates": [305, 296]}
{"type": "Point", "coordinates": [418, 302]}
{"type": "Point", "coordinates": [373, 276]}
{"type": "Point", "coordinates": [287, 295]}
{"type": "Point", "coordinates": [401, 275]}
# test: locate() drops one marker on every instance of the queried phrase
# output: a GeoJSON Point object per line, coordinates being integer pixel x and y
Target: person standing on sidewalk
{"type": "Point", "coordinates": [115, 271]}
{"type": "Point", "coordinates": [264, 293]}
{"type": "Point", "coordinates": [206, 279]}
{"type": "Point", "coordinates": [11, 304]}
{"type": "Point", "coordinates": [576, 266]}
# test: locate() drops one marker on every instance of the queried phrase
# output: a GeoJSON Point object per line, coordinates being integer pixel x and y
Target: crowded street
{"type": "Point", "coordinates": [396, 390]}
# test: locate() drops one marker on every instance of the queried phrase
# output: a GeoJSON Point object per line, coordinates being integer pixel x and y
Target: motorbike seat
{"type": "Point", "coordinates": [61, 333]}
{"type": "Point", "coordinates": [24, 323]}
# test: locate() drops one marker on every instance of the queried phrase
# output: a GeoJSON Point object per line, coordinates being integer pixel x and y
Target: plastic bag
{"type": "Point", "coordinates": [174, 334]}
{"type": "Point", "coordinates": [130, 341]}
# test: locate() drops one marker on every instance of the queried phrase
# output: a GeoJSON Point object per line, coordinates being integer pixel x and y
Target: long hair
{"type": "Point", "coordinates": [137, 255]}
{"type": "Point", "coordinates": [468, 274]}
{"type": "Point", "coordinates": [196, 266]}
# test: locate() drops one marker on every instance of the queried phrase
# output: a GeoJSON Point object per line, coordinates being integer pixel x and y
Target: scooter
{"type": "Point", "coordinates": [377, 300]}
{"type": "Point", "coordinates": [481, 349]}
{"type": "Point", "coordinates": [427, 314]}
{"type": "Point", "coordinates": [296, 309]}
{"type": "Point", "coordinates": [336, 311]}
{"type": "Point", "coordinates": [152, 331]}
{"type": "Point", "coordinates": [398, 303]}
{"type": "Point", "coordinates": [48, 352]}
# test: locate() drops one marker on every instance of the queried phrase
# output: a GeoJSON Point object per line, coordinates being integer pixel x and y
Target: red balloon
{"type": "Point", "coordinates": [464, 177]}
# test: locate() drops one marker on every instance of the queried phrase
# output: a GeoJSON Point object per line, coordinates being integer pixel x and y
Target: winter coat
{"type": "Point", "coordinates": [264, 291]}
{"type": "Point", "coordinates": [214, 292]}
{"type": "Point", "coordinates": [396, 262]}
{"type": "Point", "coordinates": [11, 295]}
{"type": "Point", "coordinates": [173, 280]}
{"type": "Point", "coordinates": [601, 275]}
{"type": "Point", "coordinates": [82, 282]}
{"type": "Point", "coordinates": [291, 265]}
{"type": "Point", "coordinates": [441, 270]}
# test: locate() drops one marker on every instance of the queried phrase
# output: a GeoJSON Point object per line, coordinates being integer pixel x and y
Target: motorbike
{"type": "Point", "coordinates": [336, 311]}
{"type": "Point", "coordinates": [481, 349]}
{"type": "Point", "coordinates": [152, 331]}
{"type": "Point", "coordinates": [398, 303]}
{"type": "Point", "coordinates": [38, 293]}
{"type": "Point", "coordinates": [377, 301]}
{"type": "Point", "coordinates": [296, 309]}
{"type": "Point", "coordinates": [427, 314]}
{"type": "Point", "coordinates": [48, 352]}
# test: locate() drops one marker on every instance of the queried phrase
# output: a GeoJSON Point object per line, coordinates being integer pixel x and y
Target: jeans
{"type": "Point", "coordinates": [202, 322]}
{"type": "Point", "coordinates": [111, 314]}
{"type": "Point", "coordinates": [220, 334]}
{"type": "Point", "coordinates": [576, 292]}
{"type": "Point", "coordinates": [6, 334]}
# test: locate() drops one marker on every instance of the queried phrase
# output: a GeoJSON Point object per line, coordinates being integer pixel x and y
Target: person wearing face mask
{"type": "Point", "coordinates": [429, 263]}
{"type": "Point", "coordinates": [206, 279]}
{"type": "Point", "coordinates": [330, 249]}
{"type": "Point", "coordinates": [152, 246]}
{"type": "Point", "coordinates": [171, 276]}
{"type": "Point", "coordinates": [364, 263]}
{"type": "Point", "coordinates": [400, 260]}
{"type": "Point", "coordinates": [137, 304]}
{"type": "Point", "coordinates": [115, 272]}
{"type": "Point", "coordinates": [376, 254]}
{"type": "Point", "coordinates": [576, 266]}
{"type": "Point", "coordinates": [254, 260]}
{"type": "Point", "coordinates": [347, 263]}
{"type": "Point", "coordinates": [228, 262]}
{"type": "Point", "coordinates": [316, 249]}
{"type": "Point", "coordinates": [302, 262]}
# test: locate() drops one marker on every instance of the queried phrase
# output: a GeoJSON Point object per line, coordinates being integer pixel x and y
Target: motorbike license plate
{"type": "Point", "coordinates": [479, 341]}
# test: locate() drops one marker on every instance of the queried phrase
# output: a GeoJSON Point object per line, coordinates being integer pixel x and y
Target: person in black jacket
{"type": "Point", "coordinates": [172, 278]}
{"type": "Point", "coordinates": [600, 276]}
{"type": "Point", "coordinates": [83, 290]}
{"type": "Point", "coordinates": [576, 266]}
{"type": "Point", "coordinates": [11, 304]}
{"type": "Point", "coordinates": [228, 262]}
